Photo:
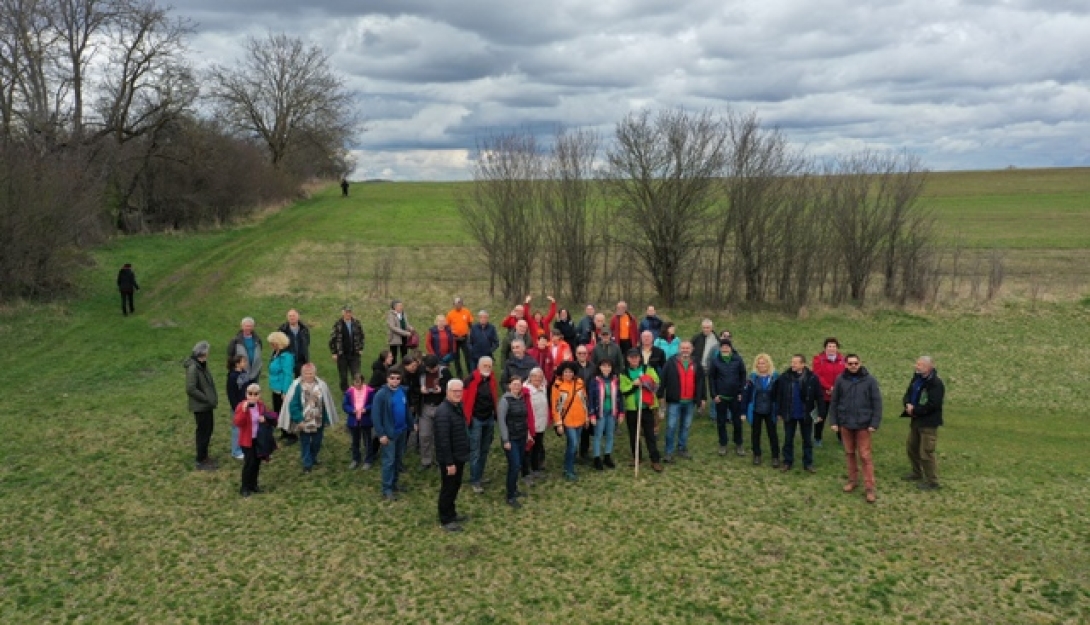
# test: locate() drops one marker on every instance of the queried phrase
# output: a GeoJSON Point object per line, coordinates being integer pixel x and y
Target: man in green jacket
{"type": "Point", "coordinates": [639, 383]}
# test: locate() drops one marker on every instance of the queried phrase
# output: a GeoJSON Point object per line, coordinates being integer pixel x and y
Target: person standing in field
{"type": "Point", "coordinates": [543, 356]}
{"type": "Point", "coordinates": [705, 345]}
{"type": "Point", "coordinates": [357, 408]}
{"type": "Point", "coordinates": [639, 387]}
{"type": "Point", "coordinates": [431, 384]}
{"type": "Point", "coordinates": [606, 412]}
{"type": "Point", "coordinates": [459, 320]}
{"type": "Point", "coordinates": [651, 323]}
{"type": "Point", "coordinates": [798, 394]}
{"type": "Point", "coordinates": [651, 355]}
{"type": "Point", "coordinates": [856, 412]}
{"type": "Point", "coordinates": [201, 392]}
{"type": "Point", "coordinates": [310, 409]}
{"type": "Point", "coordinates": [392, 422]}
{"type": "Point", "coordinates": [520, 363]}
{"type": "Point", "coordinates": [607, 349]}
{"type": "Point", "coordinates": [585, 329]}
{"type": "Point", "coordinates": [298, 334]}
{"type": "Point", "coordinates": [249, 414]}
{"type": "Point", "coordinates": [344, 187]}
{"type": "Point", "coordinates": [585, 370]}
{"type": "Point", "coordinates": [441, 341]}
{"type": "Point", "coordinates": [570, 414]}
{"type": "Point", "coordinates": [127, 286]}
{"type": "Point", "coordinates": [667, 340]}
{"type": "Point", "coordinates": [521, 332]}
{"type": "Point", "coordinates": [513, 419]}
{"type": "Point", "coordinates": [827, 366]}
{"type": "Point", "coordinates": [346, 343]}
{"type": "Point", "coordinates": [728, 381]}
{"type": "Point", "coordinates": [683, 389]}
{"type": "Point", "coordinates": [282, 370]}
{"type": "Point", "coordinates": [398, 330]}
{"type": "Point", "coordinates": [451, 452]}
{"type": "Point", "coordinates": [247, 344]}
{"type": "Point", "coordinates": [538, 393]}
{"type": "Point", "coordinates": [479, 404]}
{"type": "Point", "coordinates": [923, 406]}
{"type": "Point", "coordinates": [483, 340]}
{"type": "Point", "coordinates": [625, 329]}
{"type": "Point", "coordinates": [237, 381]}
{"type": "Point", "coordinates": [566, 327]}
{"type": "Point", "coordinates": [759, 404]}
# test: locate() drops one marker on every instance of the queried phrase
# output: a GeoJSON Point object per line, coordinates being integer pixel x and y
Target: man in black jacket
{"type": "Point", "coordinates": [483, 340]}
{"type": "Point", "coordinates": [855, 411]}
{"type": "Point", "coordinates": [923, 404]}
{"type": "Point", "coordinates": [451, 453]}
{"type": "Point", "coordinates": [346, 344]}
{"type": "Point", "coordinates": [727, 375]}
{"type": "Point", "coordinates": [299, 335]}
{"type": "Point", "coordinates": [126, 284]}
{"type": "Point", "coordinates": [798, 392]}
{"type": "Point", "coordinates": [683, 389]}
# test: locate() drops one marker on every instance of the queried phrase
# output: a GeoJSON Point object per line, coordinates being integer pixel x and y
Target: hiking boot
{"type": "Point", "coordinates": [514, 503]}
{"type": "Point", "coordinates": [738, 449]}
{"type": "Point", "coordinates": [656, 467]}
{"type": "Point", "coordinates": [389, 496]}
{"type": "Point", "coordinates": [571, 477]}
{"type": "Point", "coordinates": [598, 464]}
{"type": "Point", "coordinates": [785, 468]}
{"type": "Point", "coordinates": [811, 470]}
{"type": "Point", "coordinates": [817, 442]}
{"type": "Point", "coordinates": [850, 487]}
{"type": "Point", "coordinates": [722, 450]}
{"type": "Point", "coordinates": [477, 488]}
{"type": "Point", "coordinates": [609, 462]}
{"type": "Point", "coordinates": [928, 486]}
{"type": "Point", "coordinates": [756, 461]}
{"type": "Point", "coordinates": [775, 463]}
{"type": "Point", "coordinates": [355, 465]}
{"type": "Point", "coordinates": [872, 496]}
{"type": "Point", "coordinates": [911, 477]}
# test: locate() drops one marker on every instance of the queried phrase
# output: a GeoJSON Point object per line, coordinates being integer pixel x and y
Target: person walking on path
{"type": "Point", "coordinates": [127, 286]}
{"type": "Point", "coordinates": [923, 406]}
{"type": "Point", "coordinates": [201, 391]}
{"type": "Point", "coordinates": [856, 412]}
{"type": "Point", "coordinates": [346, 343]}
{"type": "Point", "coordinates": [798, 394]}
{"type": "Point", "coordinates": [451, 452]}
{"type": "Point", "coordinates": [827, 366]}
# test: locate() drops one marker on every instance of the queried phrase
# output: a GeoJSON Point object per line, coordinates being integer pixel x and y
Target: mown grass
{"type": "Point", "coordinates": [106, 521]}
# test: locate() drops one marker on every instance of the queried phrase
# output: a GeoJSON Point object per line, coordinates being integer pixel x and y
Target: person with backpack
{"type": "Point", "coordinates": [759, 404]}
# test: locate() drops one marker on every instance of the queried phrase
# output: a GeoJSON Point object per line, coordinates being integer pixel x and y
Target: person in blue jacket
{"type": "Point", "coordinates": [392, 421]}
{"type": "Point", "coordinates": [759, 404]}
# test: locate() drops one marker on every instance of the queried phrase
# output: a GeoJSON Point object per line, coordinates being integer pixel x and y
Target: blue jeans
{"type": "Point", "coordinates": [514, 464]}
{"type": "Point", "coordinates": [729, 411]}
{"type": "Point", "coordinates": [604, 428]}
{"type": "Point", "coordinates": [572, 435]}
{"type": "Point", "coordinates": [392, 453]}
{"type": "Point", "coordinates": [789, 426]}
{"type": "Point", "coordinates": [235, 449]}
{"type": "Point", "coordinates": [480, 439]}
{"type": "Point", "coordinates": [679, 418]}
{"type": "Point", "coordinates": [309, 446]}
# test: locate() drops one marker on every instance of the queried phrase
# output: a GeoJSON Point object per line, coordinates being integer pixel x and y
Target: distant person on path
{"type": "Point", "coordinates": [570, 413]}
{"type": "Point", "coordinates": [479, 403]}
{"type": "Point", "coordinates": [513, 418]}
{"type": "Point", "coordinates": [126, 284]}
{"type": "Point", "coordinates": [393, 420]}
{"type": "Point", "coordinates": [451, 452]}
{"type": "Point", "coordinates": [483, 340]}
{"type": "Point", "coordinates": [728, 381]}
{"type": "Point", "coordinates": [247, 344]}
{"type": "Point", "coordinates": [249, 415]}
{"type": "Point", "coordinates": [344, 187]}
{"type": "Point", "coordinates": [923, 405]}
{"type": "Point", "coordinates": [357, 408]}
{"type": "Point", "coordinates": [459, 320]}
{"type": "Point", "coordinates": [346, 343]}
{"type": "Point", "coordinates": [856, 412]}
{"type": "Point", "coordinates": [298, 334]}
{"type": "Point", "coordinates": [827, 366]}
{"type": "Point", "coordinates": [651, 323]}
{"type": "Point", "coordinates": [639, 385]}
{"type": "Point", "coordinates": [201, 391]}
{"type": "Point", "coordinates": [683, 389]}
{"type": "Point", "coordinates": [625, 329]}
{"type": "Point", "coordinates": [759, 404]}
{"type": "Point", "coordinates": [798, 394]}
{"type": "Point", "coordinates": [310, 409]}
{"type": "Point", "coordinates": [398, 330]}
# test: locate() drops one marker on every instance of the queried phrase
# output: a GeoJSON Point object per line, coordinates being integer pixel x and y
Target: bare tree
{"type": "Point", "coordinates": [663, 173]}
{"type": "Point", "coordinates": [501, 209]}
{"type": "Point", "coordinates": [284, 93]}
{"type": "Point", "coordinates": [573, 222]}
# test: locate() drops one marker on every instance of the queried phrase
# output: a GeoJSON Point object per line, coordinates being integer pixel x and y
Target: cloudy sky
{"type": "Point", "coordinates": [966, 84]}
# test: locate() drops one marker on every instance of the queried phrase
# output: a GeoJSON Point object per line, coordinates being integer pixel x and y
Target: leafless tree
{"type": "Point", "coordinates": [501, 209]}
{"type": "Point", "coordinates": [284, 93]}
{"type": "Point", "coordinates": [663, 174]}
{"type": "Point", "coordinates": [571, 214]}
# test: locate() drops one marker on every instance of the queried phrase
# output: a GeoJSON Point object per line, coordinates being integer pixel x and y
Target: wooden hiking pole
{"type": "Point", "coordinates": [639, 422]}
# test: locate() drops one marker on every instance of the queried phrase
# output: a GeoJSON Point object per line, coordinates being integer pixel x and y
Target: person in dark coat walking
{"type": "Point", "coordinates": [126, 284]}
{"type": "Point", "coordinates": [923, 405]}
{"type": "Point", "coordinates": [451, 454]}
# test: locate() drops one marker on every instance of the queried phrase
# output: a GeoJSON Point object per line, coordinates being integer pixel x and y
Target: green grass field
{"type": "Point", "coordinates": [106, 521]}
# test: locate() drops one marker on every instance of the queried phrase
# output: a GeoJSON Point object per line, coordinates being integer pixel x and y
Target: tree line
{"type": "Point", "coordinates": [106, 126]}
{"type": "Point", "coordinates": [705, 207]}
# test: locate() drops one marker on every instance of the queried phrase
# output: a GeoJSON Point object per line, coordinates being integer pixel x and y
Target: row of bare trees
{"type": "Point", "coordinates": [705, 207]}
{"type": "Point", "coordinates": [103, 94]}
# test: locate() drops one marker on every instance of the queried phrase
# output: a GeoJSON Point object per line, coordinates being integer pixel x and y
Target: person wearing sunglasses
{"type": "Point", "coordinates": [855, 412]}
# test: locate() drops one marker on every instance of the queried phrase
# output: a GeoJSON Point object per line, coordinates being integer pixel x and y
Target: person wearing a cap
{"type": "Point", "coordinates": [570, 413]}
{"type": "Point", "coordinates": [346, 343]}
{"type": "Point", "coordinates": [126, 284]}
{"type": "Point", "coordinates": [607, 349]}
{"type": "Point", "coordinates": [639, 384]}
{"type": "Point", "coordinates": [728, 380]}
{"type": "Point", "coordinates": [459, 320]}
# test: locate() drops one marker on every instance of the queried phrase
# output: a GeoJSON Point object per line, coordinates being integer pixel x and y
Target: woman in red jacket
{"type": "Point", "coordinates": [249, 415]}
{"type": "Point", "coordinates": [827, 366]}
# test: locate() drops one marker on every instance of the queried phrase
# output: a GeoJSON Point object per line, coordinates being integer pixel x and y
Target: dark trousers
{"type": "Point", "coordinates": [768, 421]}
{"type": "Point", "coordinates": [514, 464]}
{"type": "Point", "coordinates": [789, 427]}
{"type": "Point", "coordinates": [537, 454]}
{"type": "Point", "coordinates": [204, 433]}
{"type": "Point", "coordinates": [819, 426]}
{"type": "Point", "coordinates": [461, 353]}
{"type": "Point", "coordinates": [251, 466]}
{"type": "Point", "coordinates": [399, 349]}
{"type": "Point", "coordinates": [348, 364]}
{"type": "Point", "coordinates": [449, 485]}
{"type": "Point", "coordinates": [364, 445]}
{"type": "Point", "coordinates": [647, 429]}
{"type": "Point", "coordinates": [584, 442]}
{"type": "Point", "coordinates": [127, 303]}
{"type": "Point", "coordinates": [728, 410]}
{"type": "Point", "coordinates": [625, 345]}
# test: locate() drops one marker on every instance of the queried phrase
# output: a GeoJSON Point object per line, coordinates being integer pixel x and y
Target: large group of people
{"type": "Point", "coordinates": [448, 391]}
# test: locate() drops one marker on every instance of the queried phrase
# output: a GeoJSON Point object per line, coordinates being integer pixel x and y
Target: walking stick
{"type": "Point", "coordinates": [639, 422]}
